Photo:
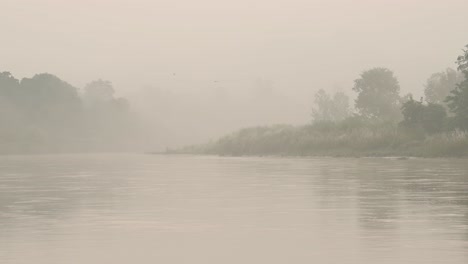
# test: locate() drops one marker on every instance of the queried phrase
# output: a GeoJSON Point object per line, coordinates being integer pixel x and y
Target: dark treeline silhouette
{"type": "Point", "coordinates": [46, 114]}
{"type": "Point", "coordinates": [382, 123]}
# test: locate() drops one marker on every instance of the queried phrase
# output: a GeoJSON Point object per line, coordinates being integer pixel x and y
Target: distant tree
{"type": "Point", "coordinates": [11, 114]}
{"type": "Point", "coordinates": [328, 108]}
{"type": "Point", "coordinates": [431, 118]}
{"type": "Point", "coordinates": [99, 91]}
{"type": "Point", "coordinates": [405, 98]}
{"type": "Point", "coordinates": [439, 85]}
{"type": "Point", "coordinates": [48, 98]}
{"type": "Point", "coordinates": [458, 99]}
{"type": "Point", "coordinates": [47, 113]}
{"type": "Point", "coordinates": [322, 110]}
{"type": "Point", "coordinates": [107, 118]}
{"type": "Point", "coordinates": [462, 62]}
{"type": "Point", "coordinates": [378, 94]}
{"type": "Point", "coordinates": [435, 118]}
{"type": "Point", "coordinates": [412, 111]}
{"type": "Point", "coordinates": [341, 107]}
{"type": "Point", "coordinates": [101, 94]}
{"type": "Point", "coordinates": [8, 85]}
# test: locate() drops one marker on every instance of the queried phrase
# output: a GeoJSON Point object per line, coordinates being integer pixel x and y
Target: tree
{"type": "Point", "coordinates": [458, 99]}
{"type": "Point", "coordinates": [47, 98]}
{"type": "Point", "coordinates": [322, 111]}
{"type": "Point", "coordinates": [9, 89]}
{"type": "Point", "coordinates": [11, 116]}
{"type": "Point", "coordinates": [99, 91]}
{"type": "Point", "coordinates": [439, 85]}
{"type": "Point", "coordinates": [47, 113]}
{"type": "Point", "coordinates": [431, 118]}
{"type": "Point", "coordinates": [99, 95]}
{"type": "Point", "coordinates": [107, 118]}
{"type": "Point", "coordinates": [462, 62]}
{"type": "Point", "coordinates": [8, 85]}
{"type": "Point", "coordinates": [378, 94]}
{"type": "Point", "coordinates": [341, 108]}
{"type": "Point", "coordinates": [412, 112]}
{"type": "Point", "coordinates": [328, 108]}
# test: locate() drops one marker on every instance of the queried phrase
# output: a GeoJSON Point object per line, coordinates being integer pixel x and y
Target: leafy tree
{"type": "Point", "coordinates": [431, 118]}
{"type": "Point", "coordinates": [106, 117]}
{"type": "Point", "coordinates": [8, 85]}
{"type": "Point", "coordinates": [412, 111]}
{"type": "Point", "coordinates": [328, 108]}
{"type": "Point", "coordinates": [323, 106]}
{"type": "Point", "coordinates": [435, 118]}
{"type": "Point", "coordinates": [47, 113]}
{"type": "Point", "coordinates": [462, 62]}
{"type": "Point", "coordinates": [440, 84]}
{"type": "Point", "coordinates": [99, 91]}
{"type": "Point", "coordinates": [47, 98]}
{"type": "Point", "coordinates": [9, 89]}
{"type": "Point", "coordinates": [99, 95]}
{"type": "Point", "coordinates": [458, 99]}
{"type": "Point", "coordinates": [341, 108]}
{"type": "Point", "coordinates": [378, 94]}
{"type": "Point", "coordinates": [10, 115]}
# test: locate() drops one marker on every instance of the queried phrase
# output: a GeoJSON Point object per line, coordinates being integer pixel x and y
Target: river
{"type": "Point", "coordinates": [132, 208]}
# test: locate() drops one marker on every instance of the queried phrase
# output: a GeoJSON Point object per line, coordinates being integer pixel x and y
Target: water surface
{"type": "Point", "coordinates": [189, 209]}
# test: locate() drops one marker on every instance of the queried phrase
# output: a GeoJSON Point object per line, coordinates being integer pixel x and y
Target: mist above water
{"type": "Point", "coordinates": [309, 79]}
{"type": "Point", "coordinates": [197, 70]}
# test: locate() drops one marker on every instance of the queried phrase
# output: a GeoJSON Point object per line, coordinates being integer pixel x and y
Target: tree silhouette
{"type": "Point", "coordinates": [329, 108]}
{"type": "Point", "coordinates": [378, 94]}
{"type": "Point", "coordinates": [458, 99]}
{"type": "Point", "coordinates": [439, 85]}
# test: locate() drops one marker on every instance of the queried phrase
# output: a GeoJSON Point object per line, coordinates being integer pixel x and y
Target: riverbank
{"type": "Point", "coordinates": [336, 140]}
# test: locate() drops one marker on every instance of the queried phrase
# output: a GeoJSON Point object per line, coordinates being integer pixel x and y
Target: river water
{"type": "Point", "coordinates": [111, 208]}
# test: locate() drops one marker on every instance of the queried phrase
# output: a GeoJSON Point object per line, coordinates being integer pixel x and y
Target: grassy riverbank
{"type": "Point", "coordinates": [336, 139]}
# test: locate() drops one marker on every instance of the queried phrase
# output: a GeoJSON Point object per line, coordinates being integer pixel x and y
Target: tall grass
{"type": "Point", "coordinates": [454, 143]}
{"type": "Point", "coordinates": [348, 138]}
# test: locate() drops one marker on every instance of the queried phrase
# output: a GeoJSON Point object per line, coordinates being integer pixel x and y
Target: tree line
{"type": "Point", "coordinates": [46, 114]}
{"type": "Point", "coordinates": [381, 123]}
{"type": "Point", "coordinates": [444, 106]}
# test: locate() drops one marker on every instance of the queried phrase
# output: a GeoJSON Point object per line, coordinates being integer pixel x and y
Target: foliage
{"type": "Point", "coordinates": [451, 143]}
{"type": "Point", "coordinates": [462, 62]}
{"type": "Point", "coordinates": [328, 108]}
{"type": "Point", "coordinates": [376, 138]}
{"type": "Point", "coordinates": [458, 99]}
{"type": "Point", "coordinates": [428, 118]}
{"type": "Point", "coordinates": [378, 94]}
{"type": "Point", "coordinates": [8, 85]}
{"type": "Point", "coordinates": [439, 85]}
{"type": "Point", "coordinates": [99, 91]}
{"type": "Point", "coordinates": [47, 113]}
{"type": "Point", "coordinates": [49, 100]}
{"type": "Point", "coordinates": [99, 97]}
{"type": "Point", "coordinates": [425, 130]}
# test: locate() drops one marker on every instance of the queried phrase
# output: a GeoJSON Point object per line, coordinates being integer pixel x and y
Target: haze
{"type": "Point", "coordinates": [199, 52]}
{"type": "Point", "coordinates": [242, 131]}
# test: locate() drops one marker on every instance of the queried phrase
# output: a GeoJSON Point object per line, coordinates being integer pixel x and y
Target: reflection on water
{"type": "Point", "coordinates": [185, 209]}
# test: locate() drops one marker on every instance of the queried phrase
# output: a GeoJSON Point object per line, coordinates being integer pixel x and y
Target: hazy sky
{"type": "Point", "coordinates": [297, 44]}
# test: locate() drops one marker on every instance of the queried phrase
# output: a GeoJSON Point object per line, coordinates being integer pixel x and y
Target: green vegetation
{"type": "Point", "coordinates": [329, 108]}
{"type": "Point", "coordinates": [439, 85]}
{"type": "Point", "coordinates": [378, 94]}
{"type": "Point", "coordinates": [45, 114]}
{"type": "Point", "coordinates": [348, 138]}
{"type": "Point", "coordinates": [384, 123]}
